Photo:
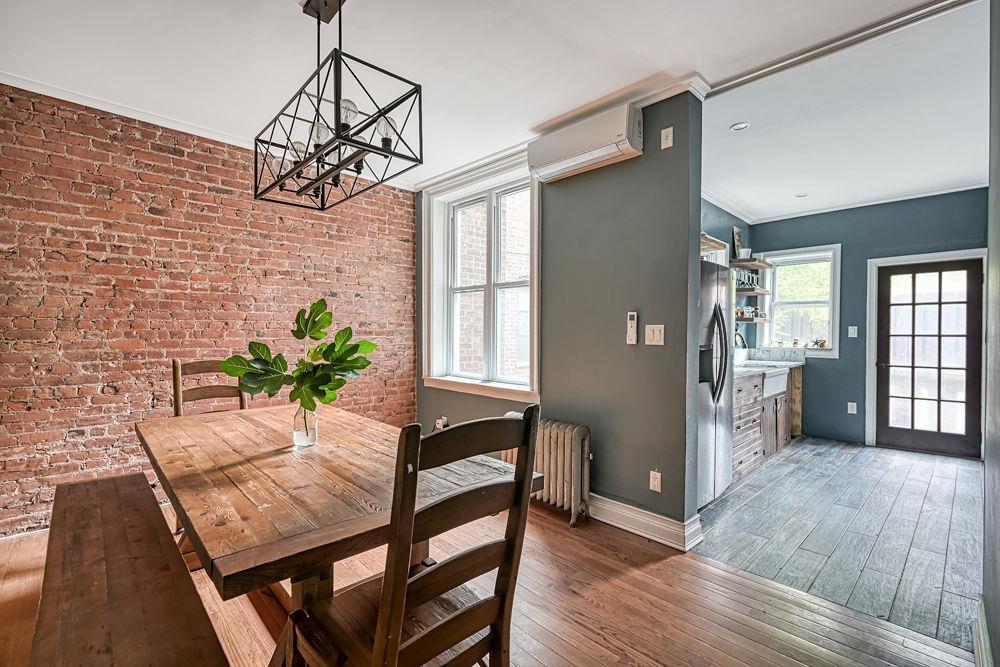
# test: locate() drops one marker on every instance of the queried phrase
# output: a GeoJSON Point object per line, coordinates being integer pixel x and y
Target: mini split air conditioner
{"type": "Point", "coordinates": [610, 136]}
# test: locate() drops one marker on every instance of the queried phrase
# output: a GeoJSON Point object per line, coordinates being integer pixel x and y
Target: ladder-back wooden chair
{"type": "Point", "coordinates": [201, 367]}
{"type": "Point", "coordinates": [428, 615]}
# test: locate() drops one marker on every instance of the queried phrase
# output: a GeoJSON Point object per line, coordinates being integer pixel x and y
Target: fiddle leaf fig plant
{"type": "Point", "coordinates": [316, 377]}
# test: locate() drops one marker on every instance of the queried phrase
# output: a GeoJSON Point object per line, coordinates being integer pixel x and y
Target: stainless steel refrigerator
{"type": "Point", "coordinates": [715, 382]}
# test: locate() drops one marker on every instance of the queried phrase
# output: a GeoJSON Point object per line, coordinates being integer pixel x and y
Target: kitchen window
{"type": "Point", "coordinates": [480, 308]}
{"type": "Point", "coordinates": [804, 306]}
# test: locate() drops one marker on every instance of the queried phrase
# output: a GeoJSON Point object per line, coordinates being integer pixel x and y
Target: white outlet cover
{"type": "Point", "coordinates": [852, 408]}
{"type": "Point", "coordinates": [655, 481]}
{"type": "Point", "coordinates": [666, 138]}
{"type": "Point", "coordinates": [852, 332]}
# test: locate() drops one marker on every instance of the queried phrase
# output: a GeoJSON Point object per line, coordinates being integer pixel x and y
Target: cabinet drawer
{"type": "Point", "coordinates": [748, 427]}
{"type": "Point", "coordinates": [748, 390]}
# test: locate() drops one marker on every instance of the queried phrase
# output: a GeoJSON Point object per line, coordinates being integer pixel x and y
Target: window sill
{"type": "Point", "coordinates": [502, 390]}
{"type": "Point", "coordinates": [810, 352]}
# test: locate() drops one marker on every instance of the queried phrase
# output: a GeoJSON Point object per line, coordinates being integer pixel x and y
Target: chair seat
{"type": "Point", "coordinates": [346, 623]}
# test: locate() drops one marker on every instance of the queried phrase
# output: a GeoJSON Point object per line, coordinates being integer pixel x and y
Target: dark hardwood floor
{"type": "Point", "coordinates": [591, 595]}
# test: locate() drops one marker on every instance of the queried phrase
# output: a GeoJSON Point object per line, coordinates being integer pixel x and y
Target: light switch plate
{"type": "Point", "coordinates": [852, 408]}
{"type": "Point", "coordinates": [666, 138]}
{"type": "Point", "coordinates": [852, 332]}
{"type": "Point", "coordinates": [654, 334]}
{"type": "Point", "coordinates": [655, 481]}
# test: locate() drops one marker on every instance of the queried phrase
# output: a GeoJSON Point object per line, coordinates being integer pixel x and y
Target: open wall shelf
{"type": "Point", "coordinates": [750, 264]}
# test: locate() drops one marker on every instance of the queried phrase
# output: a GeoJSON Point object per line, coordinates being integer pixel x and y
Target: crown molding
{"type": "Point", "coordinates": [727, 206]}
{"type": "Point", "coordinates": [122, 110]}
{"type": "Point", "coordinates": [507, 159]}
{"type": "Point", "coordinates": [693, 83]}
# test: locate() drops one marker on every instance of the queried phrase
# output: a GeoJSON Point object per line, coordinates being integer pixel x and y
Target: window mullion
{"type": "Point", "coordinates": [489, 294]}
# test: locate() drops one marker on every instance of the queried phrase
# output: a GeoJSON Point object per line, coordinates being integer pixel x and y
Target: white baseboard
{"type": "Point", "coordinates": [684, 536]}
{"type": "Point", "coordinates": [981, 639]}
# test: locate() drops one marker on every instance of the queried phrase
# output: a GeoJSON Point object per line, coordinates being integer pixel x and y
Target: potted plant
{"type": "Point", "coordinates": [317, 376]}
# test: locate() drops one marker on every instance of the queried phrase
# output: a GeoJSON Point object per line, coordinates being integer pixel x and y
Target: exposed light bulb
{"type": "Point", "coordinates": [298, 150]}
{"type": "Point", "coordinates": [348, 112]}
{"type": "Point", "coordinates": [320, 134]}
{"type": "Point", "coordinates": [386, 128]}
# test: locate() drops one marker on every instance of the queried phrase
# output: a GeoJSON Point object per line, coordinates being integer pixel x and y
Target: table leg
{"type": "Point", "coordinates": [314, 588]}
{"type": "Point", "coordinates": [187, 551]}
{"type": "Point", "coordinates": [421, 554]}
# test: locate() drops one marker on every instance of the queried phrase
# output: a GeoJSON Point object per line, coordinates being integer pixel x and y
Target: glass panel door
{"type": "Point", "coordinates": [930, 357]}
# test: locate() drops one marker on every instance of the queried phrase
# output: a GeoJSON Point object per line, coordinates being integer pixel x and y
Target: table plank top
{"type": "Point", "coordinates": [258, 510]}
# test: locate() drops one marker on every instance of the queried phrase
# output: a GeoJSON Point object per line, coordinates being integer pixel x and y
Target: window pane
{"type": "Point", "coordinates": [470, 245]}
{"type": "Point", "coordinates": [514, 334]}
{"type": "Point", "coordinates": [925, 417]}
{"type": "Point", "coordinates": [899, 381]}
{"type": "Point", "coordinates": [953, 352]}
{"type": "Point", "coordinates": [467, 334]}
{"type": "Point", "coordinates": [953, 318]}
{"type": "Point", "coordinates": [927, 287]}
{"type": "Point", "coordinates": [805, 323]}
{"type": "Point", "coordinates": [900, 350]}
{"type": "Point", "coordinates": [926, 320]}
{"type": "Point", "coordinates": [803, 282]}
{"type": "Point", "coordinates": [901, 319]}
{"type": "Point", "coordinates": [953, 286]}
{"type": "Point", "coordinates": [901, 288]}
{"type": "Point", "coordinates": [953, 385]}
{"type": "Point", "coordinates": [953, 418]}
{"type": "Point", "coordinates": [515, 235]}
{"type": "Point", "coordinates": [925, 351]}
{"type": "Point", "coordinates": [899, 412]}
{"type": "Point", "coordinates": [925, 383]}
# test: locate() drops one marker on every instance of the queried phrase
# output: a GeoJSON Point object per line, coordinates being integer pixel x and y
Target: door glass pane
{"type": "Point", "coordinates": [925, 351]}
{"type": "Point", "coordinates": [899, 412]}
{"type": "Point", "coordinates": [953, 385]}
{"type": "Point", "coordinates": [515, 235]}
{"type": "Point", "coordinates": [900, 350]}
{"type": "Point", "coordinates": [925, 383]}
{"type": "Point", "coordinates": [467, 336]}
{"type": "Point", "coordinates": [470, 245]}
{"type": "Point", "coordinates": [926, 320]}
{"type": "Point", "coordinates": [953, 319]}
{"type": "Point", "coordinates": [953, 351]}
{"type": "Point", "coordinates": [925, 415]}
{"type": "Point", "coordinates": [899, 381]}
{"type": "Point", "coordinates": [900, 319]}
{"type": "Point", "coordinates": [927, 287]}
{"type": "Point", "coordinates": [514, 334]}
{"type": "Point", "coordinates": [953, 286]}
{"type": "Point", "coordinates": [953, 418]}
{"type": "Point", "coordinates": [901, 288]}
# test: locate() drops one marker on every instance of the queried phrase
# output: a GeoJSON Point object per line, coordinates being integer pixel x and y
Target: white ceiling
{"type": "Point", "coordinates": [903, 115]}
{"type": "Point", "coordinates": [494, 73]}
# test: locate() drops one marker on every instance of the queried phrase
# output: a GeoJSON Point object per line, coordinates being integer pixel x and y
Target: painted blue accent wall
{"type": "Point", "coordinates": [953, 221]}
{"type": "Point", "coordinates": [719, 223]}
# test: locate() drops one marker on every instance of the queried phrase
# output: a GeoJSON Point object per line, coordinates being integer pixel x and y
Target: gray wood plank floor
{"type": "Point", "coordinates": [897, 535]}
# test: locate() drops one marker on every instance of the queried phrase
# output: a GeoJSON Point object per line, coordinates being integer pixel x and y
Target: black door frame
{"type": "Point", "coordinates": [969, 445]}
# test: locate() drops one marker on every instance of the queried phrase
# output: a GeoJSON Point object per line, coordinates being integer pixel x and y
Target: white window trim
{"type": "Point", "coordinates": [507, 172]}
{"type": "Point", "coordinates": [767, 282]}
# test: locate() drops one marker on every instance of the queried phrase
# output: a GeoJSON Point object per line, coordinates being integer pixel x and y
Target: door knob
{"type": "Point", "coordinates": [881, 364]}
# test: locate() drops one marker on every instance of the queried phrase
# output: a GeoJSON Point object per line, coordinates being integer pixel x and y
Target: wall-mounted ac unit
{"type": "Point", "coordinates": [606, 137]}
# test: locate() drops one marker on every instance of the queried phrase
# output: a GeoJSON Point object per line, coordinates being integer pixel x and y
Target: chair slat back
{"type": "Point", "coordinates": [182, 369]}
{"type": "Point", "coordinates": [408, 525]}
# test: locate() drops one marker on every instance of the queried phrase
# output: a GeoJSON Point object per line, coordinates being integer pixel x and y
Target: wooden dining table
{"type": "Point", "coordinates": [258, 511]}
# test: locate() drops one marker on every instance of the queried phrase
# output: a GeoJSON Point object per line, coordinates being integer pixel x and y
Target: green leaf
{"type": "Point", "coordinates": [342, 353]}
{"type": "Point", "coordinates": [235, 366]}
{"type": "Point", "coordinates": [280, 363]}
{"type": "Point", "coordinates": [366, 347]}
{"type": "Point", "coordinates": [315, 352]}
{"type": "Point", "coordinates": [343, 336]}
{"type": "Point", "coordinates": [260, 351]}
{"type": "Point", "coordinates": [307, 401]}
{"type": "Point", "coordinates": [312, 324]}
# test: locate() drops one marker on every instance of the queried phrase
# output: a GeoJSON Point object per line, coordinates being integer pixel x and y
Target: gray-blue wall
{"type": "Point", "coordinates": [616, 239]}
{"type": "Point", "coordinates": [929, 224]}
{"type": "Point", "coordinates": [719, 223]}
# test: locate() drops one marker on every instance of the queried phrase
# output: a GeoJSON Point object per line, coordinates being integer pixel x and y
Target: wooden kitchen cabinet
{"type": "Point", "coordinates": [762, 427]}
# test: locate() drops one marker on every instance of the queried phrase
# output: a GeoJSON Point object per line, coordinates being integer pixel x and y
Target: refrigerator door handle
{"type": "Point", "coordinates": [719, 382]}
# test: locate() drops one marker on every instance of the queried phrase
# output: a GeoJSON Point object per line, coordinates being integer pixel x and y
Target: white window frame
{"type": "Point", "coordinates": [439, 202]}
{"type": "Point", "coordinates": [795, 256]}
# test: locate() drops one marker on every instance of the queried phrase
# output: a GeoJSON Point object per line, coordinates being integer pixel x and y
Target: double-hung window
{"type": "Point", "coordinates": [489, 304]}
{"type": "Point", "coordinates": [803, 308]}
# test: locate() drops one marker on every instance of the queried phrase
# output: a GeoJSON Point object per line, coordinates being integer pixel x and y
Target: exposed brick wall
{"type": "Point", "coordinates": [124, 244]}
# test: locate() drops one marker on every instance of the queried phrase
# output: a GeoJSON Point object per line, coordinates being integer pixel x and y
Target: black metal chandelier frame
{"type": "Point", "coordinates": [341, 167]}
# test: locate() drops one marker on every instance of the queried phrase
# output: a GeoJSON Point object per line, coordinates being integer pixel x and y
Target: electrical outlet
{"type": "Point", "coordinates": [655, 483]}
{"type": "Point", "coordinates": [666, 138]}
{"type": "Point", "coordinates": [852, 408]}
{"type": "Point", "coordinates": [852, 332]}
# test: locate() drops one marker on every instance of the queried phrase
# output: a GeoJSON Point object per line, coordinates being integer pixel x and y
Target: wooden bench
{"type": "Point", "coordinates": [116, 590]}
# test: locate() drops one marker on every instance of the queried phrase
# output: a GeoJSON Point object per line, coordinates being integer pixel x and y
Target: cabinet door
{"type": "Point", "coordinates": [769, 427]}
{"type": "Point", "coordinates": [783, 421]}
